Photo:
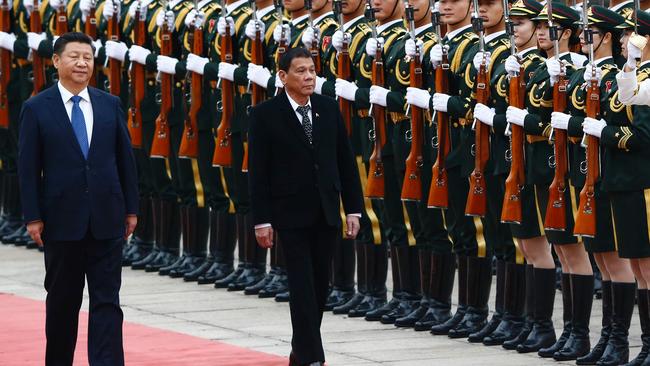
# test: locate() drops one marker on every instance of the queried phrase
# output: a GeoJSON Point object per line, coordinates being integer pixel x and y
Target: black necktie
{"type": "Point", "coordinates": [306, 122]}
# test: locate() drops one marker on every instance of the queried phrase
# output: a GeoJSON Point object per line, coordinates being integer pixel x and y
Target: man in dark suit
{"type": "Point", "coordinates": [300, 167]}
{"type": "Point", "coordinates": [78, 185]}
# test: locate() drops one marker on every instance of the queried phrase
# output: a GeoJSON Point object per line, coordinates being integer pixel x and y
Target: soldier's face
{"type": "Point", "coordinates": [75, 64]}
{"type": "Point", "coordinates": [491, 11]}
{"type": "Point", "coordinates": [600, 39]}
{"type": "Point", "coordinates": [420, 8]}
{"type": "Point", "coordinates": [300, 79]}
{"type": "Point", "coordinates": [318, 4]}
{"type": "Point", "coordinates": [524, 30]}
{"type": "Point", "coordinates": [542, 36]}
{"type": "Point", "coordinates": [454, 11]}
{"type": "Point", "coordinates": [351, 6]}
{"type": "Point", "coordinates": [387, 8]}
{"type": "Point", "coordinates": [294, 5]}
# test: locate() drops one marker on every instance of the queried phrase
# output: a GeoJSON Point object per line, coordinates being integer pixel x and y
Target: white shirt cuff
{"type": "Point", "coordinates": [261, 226]}
{"type": "Point", "coordinates": [355, 214]}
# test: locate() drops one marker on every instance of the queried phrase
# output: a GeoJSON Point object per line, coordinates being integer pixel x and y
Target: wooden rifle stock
{"type": "Point", "coordinates": [412, 185]}
{"type": "Point", "coordinates": [38, 67]}
{"type": "Point", "coordinates": [114, 65]}
{"type": "Point", "coordinates": [161, 142]}
{"type": "Point", "coordinates": [511, 209]}
{"type": "Point", "coordinates": [5, 66]}
{"type": "Point", "coordinates": [90, 28]}
{"type": "Point", "coordinates": [476, 198]}
{"type": "Point", "coordinates": [137, 87]}
{"type": "Point", "coordinates": [61, 21]}
{"type": "Point", "coordinates": [257, 91]}
{"type": "Point", "coordinates": [375, 184]}
{"type": "Point", "coordinates": [314, 49]}
{"type": "Point", "coordinates": [439, 190]}
{"type": "Point", "coordinates": [343, 72]}
{"type": "Point", "coordinates": [585, 224]}
{"type": "Point", "coordinates": [555, 218]}
{"type": "Point", "coordinates": [223, 145]}
{"type": "Point", "coordinates": [190, 143]}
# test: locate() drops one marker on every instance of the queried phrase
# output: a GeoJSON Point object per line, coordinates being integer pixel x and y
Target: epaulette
{"type": "Point", "coordinates": [467, 35]}
{"type": "Point", "coordinates": [364, 27]}
{"type": "Point", "coordinates": [642, 74]}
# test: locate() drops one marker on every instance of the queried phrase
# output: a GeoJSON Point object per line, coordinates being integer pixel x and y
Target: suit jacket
{"type": "Point", "coordinates": [70, 194]}
{"type": "Point", "coordinates": [292, 181]}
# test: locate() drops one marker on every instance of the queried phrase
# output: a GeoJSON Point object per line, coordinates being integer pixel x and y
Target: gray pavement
{"type": "Point", "coordinates": [264, 325]}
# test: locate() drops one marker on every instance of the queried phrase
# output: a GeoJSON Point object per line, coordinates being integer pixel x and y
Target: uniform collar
{"type": "Point", "coordinates": [492, 36]}
{"type": "Point", "coordinates": [381, 28]}
{"type": "Point", "coordinates": [203, 3]}
{"type": "Point", "coordinates": [454, 33]}
{"type": "Point", "coordinates": [234, 6]}
{"type": "Point", "coordinates": [422, 29]}
{"type": "Point", "coordinates": [66, 94]}
{"type": "Point", "coordinates": [526, 51]}
{"type": "Point", "coordinates": [262, 12]}
{"type": "Point", "coordinates": [299, 19]}
{"type": "Point", "coordinates": [351, 22]}
{"type": "Point", "coordinates": [603, 60]}
{"type": "Point", "coordinates": [329, 13]}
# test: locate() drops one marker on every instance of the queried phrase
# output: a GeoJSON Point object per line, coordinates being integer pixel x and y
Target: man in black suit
{"type": "Point", "coordinates": [300, 167]}
{"type": "Point", "coordinates": [78, 185]}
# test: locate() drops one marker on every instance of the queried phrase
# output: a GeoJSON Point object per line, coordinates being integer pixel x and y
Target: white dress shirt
{"type": "Point", "coordinates": [84, 104]}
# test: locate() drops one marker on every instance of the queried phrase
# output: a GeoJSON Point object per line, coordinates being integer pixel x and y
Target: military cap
{"type": "Point", "coordinates": [526, 8]}
{"type": "Point", "coordinates": [603, 18]}
{"type": "Point", "coordinates": [643, 24]}
{"type": "Point", "coordinates": [562, 14]}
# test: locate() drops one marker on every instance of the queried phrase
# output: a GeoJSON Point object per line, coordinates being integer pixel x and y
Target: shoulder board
{"type": "Point", "coordinates": [364, 27]}
{"type": "Point", "coordinates": [469, 35]}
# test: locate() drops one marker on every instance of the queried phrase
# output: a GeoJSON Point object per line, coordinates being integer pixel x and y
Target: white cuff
{"type": "Point", "coordinates": [262, 226]}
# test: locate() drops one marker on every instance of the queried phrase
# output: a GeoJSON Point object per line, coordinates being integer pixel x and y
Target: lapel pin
{"type": "Point", "coordinates": [317, 115]}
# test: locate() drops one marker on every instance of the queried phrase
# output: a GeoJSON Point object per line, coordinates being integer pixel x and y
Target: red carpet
{"type": "Point", "coordinates": [22, 342]}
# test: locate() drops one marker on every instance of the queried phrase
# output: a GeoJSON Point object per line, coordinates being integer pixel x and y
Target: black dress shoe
{"type": "Point", "coordinates": [142, 263]}
{"type": "Point", "coordinates": [413, 317]}
{"type": "Point", "coordinates": [337, 298]}
{"type": "Point", "coordinates": [487, 329]}
{"type": "Point", "coordinates": [216, 272]}
{"type": "Point", "coordinates": [191, 263]}
{"type": "Point", "coordinates": [136, 252]}
{"type": "Point", "coordinates": [226, 281]}
{"type": "Point", "coordinates": [519, 338]}
{"type": "Point", "coordinates": [575, 346]}
{"type": "Point", "coordinates": [199, 271]}
{"type": "Point", "coordinates": [282, 297]}
{"type": "Point", "coordinates": [257, 287]}
{"type": "Point", "coordinates": [444, 328]}
{"type": "Point", "coordinates": [550, 351]}
{"type": "Point", "coordinates": [279, 284]}
{"type": "Point", "coordinates": [248, 277]}
{"type": "Point", "coordinates": [163, 259]}
{"type": "Point", "coordinates": [375, 315]}
{"type": "Point", "coordinates": [31, 244]}
{"type": "Point", "coordinates": [437, 313]}
{"type": "Point", "coordinates": [164, 270]}
{"type": "Point", "coordinates": [369, 303]}
{"type": "Point", "coordinates": [351, 304]}
{"type": "Point", "coordinates": [16, 237]}
{"type": "Point", "coordinates": [404, 308]}
{"type": "Point", "coordinates": [542, 336]}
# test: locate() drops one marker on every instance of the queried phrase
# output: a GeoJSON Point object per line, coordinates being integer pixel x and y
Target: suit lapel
{"type": "Point", "coordinates": [316, 123]}
{"type": "Point", "coordinates": [63, 120]}
{"type": "Point", "coordinates": [96, 104]}
{"type": "Point", "coordinates": [293, 123]}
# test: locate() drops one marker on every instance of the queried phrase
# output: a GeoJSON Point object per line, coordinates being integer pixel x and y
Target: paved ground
{"type": "Point", "coordinates": [264, 325]}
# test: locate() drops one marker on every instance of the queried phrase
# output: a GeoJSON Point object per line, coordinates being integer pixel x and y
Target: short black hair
{"type": "Point", "coordinates": [287, 58]}
{"type": "Point", "coordinates": [70, 37]}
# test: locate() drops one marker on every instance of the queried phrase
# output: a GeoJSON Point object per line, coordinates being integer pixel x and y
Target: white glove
{"type": "Point", "coordinates": [308, 37]}
{"type": "Point", "coordinates": [516, 115]}
{"type": "Point", "coordinates": [554, 68]}
{"type": "Point", "coordinates": [478, 59]}
{"type": "Point", "coordinates": [439, 102]}
{"type": "Point", "coordinates": [512, 65]}
{"type": "Point", "coordinates": [436, 55]}
{"type": "Point", "coordinates": [345, 89]}
{"type": "Point", "coordinates": [138, 54]}
{"type": "Point", "coordinates": [593, 127]}
{"type": "Point", "coordinates": [7, 41]}
{"type": "Point", "coordinates": [418, 97]}
{"type": "Point", "coordinates": [134, 7]}
{"type": "Point", "coordinates": [166, 64]}
{"type": "Point", "coordinates": [196, 63]}
{"type": "Point", "coordinates": [277, 33]}
{"type": "Point", "coordinates": [35, 39]}
{"type": "Point", "coordinates": [109, 10]}
{"type": "Point", "coordinates": [484, 114]}
{"type": "Point", "coordinates": [116, 50]}
{"type": "Point", "coordinates": [589, 71]}
{"type": "Point", "coordinates": [29, 5]}
{"type": "Point", "coordinates": [54, 38]}
{"type": "Point", "coordinates": [162, 16]}
{"type": "Point", "coordinates": [633, 53]}
{"type": "Point", "coordinates": [372, 44]}
{"type": "Point", "coordinates": [278, 82]}
{"type": "Point", "coordinates": [55, 4]}
{"type": "Point", "coordinates": [409, 48]}
{"type": "Point", "coordinates": [98, 44]}
{"type": "Point", "coordinates": [250, 29]}
{"type": "Point", "coordinates": [194, 18]}
{"type": "Point", "coordinates": [84, 7]}
{"type": "Point", "coordinates": [260, 75]}
{"type": "Point", "coordinates": [221, 25]}
{"type": "Point", "coordinates": [227, 71]}
{"type": "Point", "coordinates": [337, 40]}
{"type": "Point", "coordinates": [378, 95]}
{"type": "Point", "coordinates": [560, 120]}
{"type": "Point", "coordinates": [319, 84]}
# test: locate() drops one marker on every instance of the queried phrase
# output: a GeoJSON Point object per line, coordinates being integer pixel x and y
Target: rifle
{"type": "Point", "coordinates": [90, 28]}
{"type": "Point", "coordinates": [38, 67]}
{"type": "Point", "coordinates": [412, 186]}
{"type": "Point", "coordinates": [189, 143]}
{"type": "Point", "coordinates": [439, 190]}
{"type": "Point", "coordinates": [555, 218]}
{"type": "Point", "coordinates": [61, 20]}
{"type": "Point", "coordinates": [137, 82]}
{"type": "Point", "coordinates": [314, 48]}
{"type": "Point", "coordinates": [343, 70]}
{"type": "Point", "coordinates": [585, 224]}
{"type": "Point", "coordinates": [511, 209]}
{"type": "Point", "coordinates": [283, 45]}
{"type": "Point", "coordinates": [223, 146]}
{"type": "Point", "coordinates": [257, 57]}
{"type": "Point", "coordinates": [5, 65]}
{"type": "Point", "coordinates": [114, 65]}
{"type": "Point", "coordinates": [161, 142]}
{"type": "Point", "coordinates": [375, 185]}
{"type": "Point", "coordinates": [476, 198]}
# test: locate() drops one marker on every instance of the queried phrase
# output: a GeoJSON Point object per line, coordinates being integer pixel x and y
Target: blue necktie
{"type": "Point", "coordinates": [79, 125]}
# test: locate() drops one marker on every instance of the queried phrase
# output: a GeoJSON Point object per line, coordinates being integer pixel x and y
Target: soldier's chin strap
{"type": "Point", "coordinates": [602, 38]}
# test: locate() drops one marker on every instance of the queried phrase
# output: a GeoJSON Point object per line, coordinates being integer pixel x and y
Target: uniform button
{"type": "Point", "coordinates": [178, 84]}
{"type": "Point", "coordinates": [151, 83]}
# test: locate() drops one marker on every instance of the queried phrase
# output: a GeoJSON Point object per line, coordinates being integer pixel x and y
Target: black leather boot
{"type": "Point", "coordinates": [222, 241]}
{"type": "Point", "coordinates": [365, 266]}
{"type": "Point", "coordinates": [444, 328]}
{"type": "Point", "coordinates": [408, 269]}
{"type": "Point", "coordinates": [360, 253]}
{"type": "Point", "coordinates": [582, 293]}
{"type": "Point", "coordinates": [567, 317]}
{"type": "Point", "coordinates": [443, 268]}
{"type": "Point", "coordinates": [529, 279]}
{"type": "Point", "coordinates": [617, 351]}
{"type": "Point", "coordinates": [282, 297]}
{"type": "Point", "coordinates": [376, 314]}
{"type": "Point", "coordinates": [597, 352]}
{"type": "Point", "coordinates": [543, 334]}
{"type": "Point", "coordinates": [409, 320]}
{"type": "Point", "coordinates": [241, 250]}
{"type": "Point", "coordinates": [479, 279]}
{"type": "Point", "coordinates": [255, 288]}
{"type": "Point", "coordinates": [169, 234]}
{"type": "Point", "coordinates": [197, 223]}
{"type": "Point", "coordinates": [499, 301]}
{"type": "Point", "coordinates": [376, 267]}
{"type": "Point", "coordinates": [255, 263]}
{"type": "Point", "coordinates": [143, 237]}
{"type": "Point", "coordinates": [165, 270]}
{"type": "Point", "coordinates": [342, 273]}
{"type": "Point", "coordinates": [156, 232]}
{"type": "Point", "coordinates": [12, 212]}
{"type": "Point", "coordinates": [278, 284]}
{"type": "Point", "coordinates": [644, 320]}
{"type": "Point", "coordinates": [512, 320]}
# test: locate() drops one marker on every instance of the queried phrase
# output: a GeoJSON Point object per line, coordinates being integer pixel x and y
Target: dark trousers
{"type": "Point", "coordinates": [67, 266]}
{"type": "Point", "coordinates": [308, 252]}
